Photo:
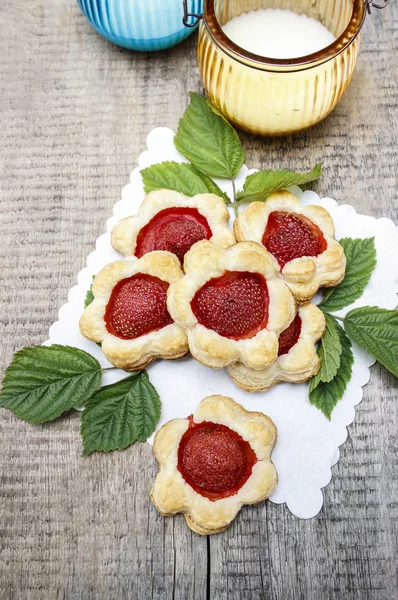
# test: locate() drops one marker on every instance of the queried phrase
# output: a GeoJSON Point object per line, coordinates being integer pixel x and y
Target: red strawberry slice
{"type": "Point", "coordinates": [288, 236]}
{"type": "Point", "coordinates": [234, 305]}
{"type": "Point", "coordinates": [290, 336]}
{"type": "Point", "coordinates": [137, 306]}
{"type": "Point", "coordinates": [174, 230]}
{"type": "Point", "coordinates": [214, 460]}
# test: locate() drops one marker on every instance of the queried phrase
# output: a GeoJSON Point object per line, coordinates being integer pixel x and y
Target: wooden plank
{"type": "Point", "coordinates": [76, 112]}
{"type": "Point", "coordinates": [350, 550]}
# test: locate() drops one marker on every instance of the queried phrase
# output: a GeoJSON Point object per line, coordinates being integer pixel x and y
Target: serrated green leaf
{"type": "Point", "coordinates": [89, 296]}
{"type": "Point", "coordinates": [208, 141]}
{"type": "Point", "coordinates": [262, 184]}
{"type": "Point", "coordinates": [326, 395]}
{"type": "Point", "coordinates": [211, 185]}
{"type": "Point", "coordinates": [329, 352]}
{"type": "Point", "coordinates": [326, 293]}
{"type": "Point", "coordinates": [180, 177]}
{"type": "Point", "coordinates": [42, 382]}
{"type": "Point", "coordinates": [376, 331]}
{"type": "Point", "coordinates": [120, 414]}
{"type": "Point", "coordinates": [361, 262]}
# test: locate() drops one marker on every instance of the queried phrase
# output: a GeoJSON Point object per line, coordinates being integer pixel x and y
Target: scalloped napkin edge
{"type": "Point", "coordinates": [303, 502]}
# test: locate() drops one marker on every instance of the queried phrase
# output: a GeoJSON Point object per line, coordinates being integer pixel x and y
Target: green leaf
{"type": "Point", "coordinates": [361, 262]}
{"type": "Point", "coordinates": [326, 293]}
{"type": "Point", "coordinates": [211, 185]}
{"type": "Point", "coordinates": [180, 177]}
{"type": "Point", "coordinates": [120, 414]}
{"type": "Point", "coordinates": [208, 141]}
{"type": "Point", "coordinates": [262, 184]}
{"type": "Point", "coordinates": [329, 352]}
{"type": "Point", "coordinates": [376, 331]}
{"type": "Point", "coordinates": [326, 395]}
{"type": "Point", "coordinates": [89, 296]}
{"type": "Point", "coordinates": [42, 382]}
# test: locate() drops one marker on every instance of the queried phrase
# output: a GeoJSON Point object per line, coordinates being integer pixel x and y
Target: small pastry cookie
{"type": "Point", "coordinates": [297, 359]}
{"type": "Point", "coordinates": [301, 241]}
{"type": "Point", "coordinates": [231, 304]}
{"type": "Point", "coordinates": [213, 463]}
{"type": "Point", "coordinates": [168, 220]}
{"type": "Point", "coordinates": [129, 314]}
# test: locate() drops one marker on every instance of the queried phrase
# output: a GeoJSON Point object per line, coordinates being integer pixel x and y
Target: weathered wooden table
{"type": "Point", "coordinates": [75, 112]}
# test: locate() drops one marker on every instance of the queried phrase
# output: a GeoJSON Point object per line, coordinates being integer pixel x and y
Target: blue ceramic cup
{"type": "Point", "coordinates": [140, 24]}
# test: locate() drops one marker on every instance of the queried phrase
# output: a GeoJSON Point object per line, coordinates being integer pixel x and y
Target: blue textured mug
{"type": "Point", "coordinates": [140, 24]}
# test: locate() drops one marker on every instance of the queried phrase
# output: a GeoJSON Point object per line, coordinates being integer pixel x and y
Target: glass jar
{"type": "Point", "coordinates": [276, 97]}
{"type": "Point", "coordinates": [140, 24]}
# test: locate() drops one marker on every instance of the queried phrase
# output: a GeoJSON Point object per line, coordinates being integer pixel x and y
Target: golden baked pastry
{"type": "Point", "coordinates": [168, 220]}
{"type": "Point", "coordinates": [301, 241]}
{"type": "Point", "coordinates": [297, 357]}
{"type": "Point", "coordinates": [231, 304]}
{"type": "Point", "coordinates": [129, 314]}
{"type": "Point", "coordinates": [213, 463]}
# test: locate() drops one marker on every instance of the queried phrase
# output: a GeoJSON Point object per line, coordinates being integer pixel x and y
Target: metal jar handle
{"type": "Point", "coordinates": [371, 4]}
{"type": "Point", "coordinates": [188, 15]}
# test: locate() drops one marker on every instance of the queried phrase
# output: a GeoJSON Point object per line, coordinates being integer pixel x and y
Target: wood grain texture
{"type": "Point", "coordinates": [75, 115]}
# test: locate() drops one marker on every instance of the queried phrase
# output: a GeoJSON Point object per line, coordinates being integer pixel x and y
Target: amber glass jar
{"type": "Point", "coordinates": [276, 97]}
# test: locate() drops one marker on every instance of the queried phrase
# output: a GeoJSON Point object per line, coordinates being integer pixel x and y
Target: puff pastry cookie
{"type": "Point", "coordinates": [129, 314]}
{"type": "Point", "coordinates": [231, 304]}
{"type": "Point", "coordinates": [297, 357]}
{"type": "Point", "coordinates": [213, 463]}
{"type": "Point", "coordinates": [301, 241]}
{"type": "Point", "coordinates": [168, 220]}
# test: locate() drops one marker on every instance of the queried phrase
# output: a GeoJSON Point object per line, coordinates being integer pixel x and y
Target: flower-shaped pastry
{"type": "Point", "coordinates": [301, 240]}
{"type": "Point", "coordinates": [231, 304]}
{"type": "Point", "coordinates": [213, 463]}
{"type": "Point", "coordinates": [129, 314]}
{"type": "Point", "coordinates": [297, 357]}
{"type": "Point", "coordinates": [170, 221]}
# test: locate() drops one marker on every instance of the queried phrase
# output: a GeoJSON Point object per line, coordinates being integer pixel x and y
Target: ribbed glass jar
{"type": "Point", "coordinates": [276, 97]}
{"type": "Point", "coordinates": [140, 24]}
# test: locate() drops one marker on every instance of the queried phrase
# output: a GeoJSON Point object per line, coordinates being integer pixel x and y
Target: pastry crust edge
{"type": "Point", "coordinates": [169, 342]}
{"type": "Point", "coordinates": [313, 327]}
{"type": "Point", "coordinates": [206, 261]}
{"type": "Point", "coordinates": [304, 275]}
{"type": "Point", "coordinates": [212, 207]}
{"type": "Point", "coordinates": [219, 409]}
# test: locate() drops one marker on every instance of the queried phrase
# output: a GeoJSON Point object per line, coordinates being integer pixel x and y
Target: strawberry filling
{"type": "Point", "coordinates": [234, 305]}
{"type": "Point", "coordinates": [290, 336]}
{"type": "Point", "coordinates": [214, 460]}
{"type": "Point", "coordinates": [288, 236]}
{"type": "Point", "coordinates": [174, 230]}
{"type": "Point", "coordinates": [137, 306]}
